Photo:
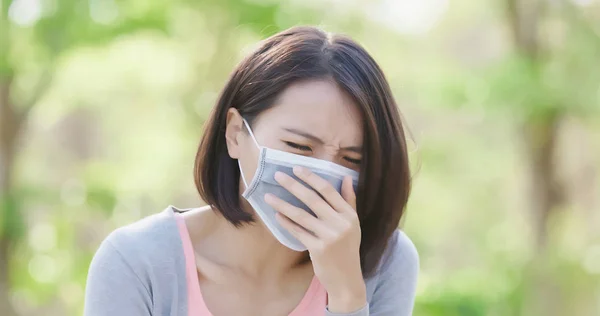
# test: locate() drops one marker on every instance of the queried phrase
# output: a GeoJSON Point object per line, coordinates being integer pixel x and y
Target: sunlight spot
{"type": "Point", "coordinates": [408, 16]}
{"type": "Point", "coordinates": [103, 11]}
{"type": "Point", "coordinates": [43, 269]}
{"type": "Point", "coordinates": [25, 12]}
{"type": "Point", "coordinates": [591, 261]}
{"type": "Point", "coordinates": [583, 3]}
{"type": "Point", "coordinates": [42, 237]}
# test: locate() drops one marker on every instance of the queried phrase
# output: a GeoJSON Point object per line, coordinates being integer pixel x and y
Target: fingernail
{"type": "Point", "coordinates": [268, 197]}
{"type": "Point", "coordinates": [278, 176]}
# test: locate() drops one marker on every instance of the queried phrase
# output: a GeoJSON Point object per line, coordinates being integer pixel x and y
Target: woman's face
{"type": "Point", "coordinates": [313, 118]}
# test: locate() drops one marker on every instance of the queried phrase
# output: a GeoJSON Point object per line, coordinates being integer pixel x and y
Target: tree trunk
{"type": "Point", "coordinates": [9, 131]}
{"type": "Point", "coordinates": [543, 295]}
{"type": "Point", "coordinates": [6, 308]}
{"type": "Point", "coordinates": [539, 139]}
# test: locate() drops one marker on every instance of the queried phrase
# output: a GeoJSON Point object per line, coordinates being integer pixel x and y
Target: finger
{"type": "Point", "coordinates": [305, 237]}
{"type": "Point", "coordinates": [348, 192]}
{"type": "Point", "coordinates": [298, 215]}
{"type": "Point", "coordinates": [324, 188]}
{"type": "Point", "coordinates": [309, 197]}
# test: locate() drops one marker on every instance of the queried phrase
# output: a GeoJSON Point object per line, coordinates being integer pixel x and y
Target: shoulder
{"type": "Point", "coordinates": [150, 243]}
{"type": "Point", "coordinates": [401, 254]}
{"type": "Point", "coordinates": [146, 234]}
{"type": "Point", "coordinates": [137, 268]}
{"type": "Point", "coordinates": [400, 262]}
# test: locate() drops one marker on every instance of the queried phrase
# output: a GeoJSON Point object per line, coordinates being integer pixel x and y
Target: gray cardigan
{"type": "Point", "coordinates": [139, 270]}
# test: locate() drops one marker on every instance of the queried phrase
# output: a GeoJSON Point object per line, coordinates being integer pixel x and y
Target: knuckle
{"type": "Point", "coordinates": [307, 198]}
{"type": "Point", "coordinates": [303, 191]}
{"type": "Point", "coordinates": [294, 213]}
{"type": "Point", "coordinates": [320, 247]}
{"type": "Point", "coordinates": [323, 186]}
{"type": "Point", "coordinates": [310, 176]}
{"type": "Point", "coordinates": [275, 201]}
{"type": "Point", "coordinates": [352, 197]}
{"type": "Point", "coordinates": [288, 181]}
{"type": "Point", "coordinates": [353, 222]}
{"type": "Point", "coordinates": [302, 219]}
{"type": "Point", "coordinates": [335, 236]}
{"type": "Point", "coordinates": [276, 204]}
{"type": "Point", "coordinates": [321, 204]}
{"type": "Point", "coordinates": [284, 209]}
{"type": "Point", "coordinates": [345, 227]}
{"type": "Point", "coordinates": [299, 188]}
{"type": "Point", "coordinates": [353, 218]}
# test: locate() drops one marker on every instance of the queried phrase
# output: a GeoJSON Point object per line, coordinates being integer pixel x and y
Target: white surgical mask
{"type": "Point", "coordinates": [269, 162]}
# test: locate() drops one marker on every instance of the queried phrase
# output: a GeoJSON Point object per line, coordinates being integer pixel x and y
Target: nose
{"type": "Point", "coordinates": [328, 153]}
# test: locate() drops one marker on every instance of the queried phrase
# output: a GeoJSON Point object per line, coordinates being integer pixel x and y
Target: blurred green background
{"type": "Point", "coordinates": [102, 104]}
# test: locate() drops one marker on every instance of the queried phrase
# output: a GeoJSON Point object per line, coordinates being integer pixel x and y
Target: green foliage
{"type": "Point", "coordinates": [11, 220]}
{"type": "Point", "coordinates": [112, 137]}
{"type": "Point", "coordinates": [453, 304]}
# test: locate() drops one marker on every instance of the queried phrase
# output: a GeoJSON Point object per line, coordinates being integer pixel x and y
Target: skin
{"type": "Point", "coordinates": [248, 264]}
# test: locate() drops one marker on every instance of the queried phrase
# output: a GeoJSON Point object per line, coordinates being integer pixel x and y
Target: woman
{"type": "Point", "coordinates": [284, 232]}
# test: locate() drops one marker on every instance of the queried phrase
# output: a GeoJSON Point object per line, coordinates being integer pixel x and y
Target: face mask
{"type": "Point", "coordinates": [271, 161]}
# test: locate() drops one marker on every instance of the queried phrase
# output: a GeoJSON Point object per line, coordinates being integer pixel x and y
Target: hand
{"type": "Point", "coordinates": [332, 238]}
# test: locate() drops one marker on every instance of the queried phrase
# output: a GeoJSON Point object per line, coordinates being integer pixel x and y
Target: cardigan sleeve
{"type": "Point", "coordinates": [394, 293]}
{"type": "Point", "coordinates": [113, 288]}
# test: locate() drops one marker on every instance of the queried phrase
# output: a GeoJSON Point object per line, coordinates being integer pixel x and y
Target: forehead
{"type": "Point", "coordinates": [320, 107]}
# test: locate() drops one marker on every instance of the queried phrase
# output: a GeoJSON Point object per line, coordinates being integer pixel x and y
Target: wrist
{"type": "Point", "coordinates": [348, 300]}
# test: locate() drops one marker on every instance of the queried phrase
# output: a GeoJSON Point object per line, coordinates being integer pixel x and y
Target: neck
{"type": "Point", "coordinates": [252, 250]}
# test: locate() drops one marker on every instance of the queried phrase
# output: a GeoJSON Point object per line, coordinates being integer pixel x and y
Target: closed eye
{"type": "Point", "coordinates": [297, 146]}
{"type": "Point", "coordinates": [352, 160]}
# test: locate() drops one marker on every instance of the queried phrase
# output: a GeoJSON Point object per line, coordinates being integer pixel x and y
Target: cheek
{"type": "Point", "coordinates": [248, 161]}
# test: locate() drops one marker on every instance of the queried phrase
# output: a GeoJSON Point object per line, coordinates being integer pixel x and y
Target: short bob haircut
{"type": "Point", "coordinates": [302, 54]}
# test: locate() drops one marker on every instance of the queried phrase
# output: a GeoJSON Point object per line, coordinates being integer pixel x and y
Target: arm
{"type": "Point", "coordinates": [394, 293]}
{"type": "Point", "coordinates": [113, 288]}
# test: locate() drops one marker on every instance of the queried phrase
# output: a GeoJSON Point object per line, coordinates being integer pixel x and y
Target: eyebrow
{"type": "Point", "coordinates": [304, 134]}
{"type": "Point", "coordinates": [356, 149]}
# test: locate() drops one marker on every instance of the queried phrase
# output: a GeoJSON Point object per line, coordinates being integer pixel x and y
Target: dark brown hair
{"type": "Point", "coordinates": [308, 53]}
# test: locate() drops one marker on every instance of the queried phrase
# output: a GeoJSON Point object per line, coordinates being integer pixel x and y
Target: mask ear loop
{"type": "Point", "coordinates": [257, 145]}
{"type": "Point", "coordinates": [251, 134]}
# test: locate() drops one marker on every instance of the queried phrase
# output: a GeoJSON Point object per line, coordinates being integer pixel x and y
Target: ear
{"type": "Point", "coordinates": [233, 129]}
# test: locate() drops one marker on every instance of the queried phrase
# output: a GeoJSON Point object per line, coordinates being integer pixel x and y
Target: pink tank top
{"type": "Point", "coordinates": [313, 303]}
